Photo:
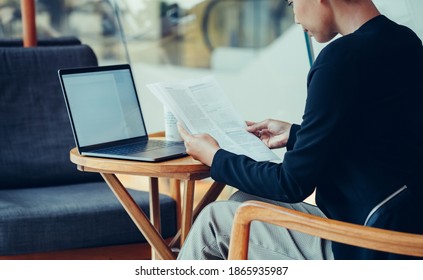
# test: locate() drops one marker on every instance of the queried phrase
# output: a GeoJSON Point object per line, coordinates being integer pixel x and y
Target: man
{"type": "Point", "coordinates": [359, 144]}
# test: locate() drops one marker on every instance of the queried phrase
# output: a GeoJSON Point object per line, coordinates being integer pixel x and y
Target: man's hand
{"type": "Point", "coordinates": [273, 133]}
{"type": "Point", "coordinates": [201, 147]}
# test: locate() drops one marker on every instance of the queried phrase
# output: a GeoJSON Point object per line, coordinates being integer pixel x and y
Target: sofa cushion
{"type": "Point", "coordinates": [36, 136]}
{"type": "Point", "coordinates": [74, 216]}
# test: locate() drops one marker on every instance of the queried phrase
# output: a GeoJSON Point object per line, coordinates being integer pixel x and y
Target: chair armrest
{"type": "Point", "coordinates": [347, 233]}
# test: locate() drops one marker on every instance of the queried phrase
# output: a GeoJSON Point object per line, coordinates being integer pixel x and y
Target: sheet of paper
{"type": "Point", "coordinates": [202, 106]}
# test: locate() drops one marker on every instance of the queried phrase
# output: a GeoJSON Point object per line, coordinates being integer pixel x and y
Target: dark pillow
{"type": "Point", "coordinates": [36, 136]}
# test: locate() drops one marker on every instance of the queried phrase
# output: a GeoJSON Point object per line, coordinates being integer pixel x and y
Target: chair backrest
{"type": "Point", "coordinates": [36, 136]}
{"type": "Point", "coordinates": [60, 41]}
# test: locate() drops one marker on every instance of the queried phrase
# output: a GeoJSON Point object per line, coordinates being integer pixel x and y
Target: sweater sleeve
{"type": "Point", "coordinates": [292, 136]}
{"type": "Point", "coordinates": [310, 151]}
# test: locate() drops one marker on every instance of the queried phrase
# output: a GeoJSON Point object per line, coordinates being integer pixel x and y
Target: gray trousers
{"type": "Point", "coordinates": [210, 235]}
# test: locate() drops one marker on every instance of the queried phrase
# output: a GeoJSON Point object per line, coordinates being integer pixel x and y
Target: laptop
{"type": "Point", "coordinates": [106, 116]}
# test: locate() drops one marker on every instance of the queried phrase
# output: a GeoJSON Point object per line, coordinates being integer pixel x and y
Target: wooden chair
{"type": "Point", "coordinates": [342, 232]}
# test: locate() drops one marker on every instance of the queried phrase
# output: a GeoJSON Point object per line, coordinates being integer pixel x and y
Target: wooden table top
{"type": "Point", "coordinates": [185, 168]}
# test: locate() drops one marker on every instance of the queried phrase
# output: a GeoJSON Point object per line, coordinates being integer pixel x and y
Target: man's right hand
{"type": "Point", "coordinates": [273, 133]}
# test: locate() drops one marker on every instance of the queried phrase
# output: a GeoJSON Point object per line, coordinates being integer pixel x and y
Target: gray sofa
{"type": "Point", "coordinates": [46, 205]}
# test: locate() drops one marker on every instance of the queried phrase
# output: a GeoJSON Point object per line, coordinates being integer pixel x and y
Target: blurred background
{"type": "Point", "coordinates": [252, 47]}
{"type": "Point", "coordinates": [182, 33]}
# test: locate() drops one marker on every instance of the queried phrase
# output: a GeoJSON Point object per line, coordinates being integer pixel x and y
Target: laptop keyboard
{"type": "Point", "coordinates": [139, 147]}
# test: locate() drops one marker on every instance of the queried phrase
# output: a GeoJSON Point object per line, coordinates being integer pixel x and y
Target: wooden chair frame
{"type": "Point", "coordinates": [347, 233]}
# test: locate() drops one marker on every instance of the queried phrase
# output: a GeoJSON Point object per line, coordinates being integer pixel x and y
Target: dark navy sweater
{"type": "Point", "coordinates": [361, 137]}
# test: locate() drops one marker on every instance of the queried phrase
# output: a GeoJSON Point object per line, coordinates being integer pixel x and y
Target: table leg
{"type": "Point", "coordinates": [187, 209]}
{"type": "Point", "coordinates": [175, 193]}
{"type": "Point", "coordinates": [154, 210]}
{"type": "Point", "coordinates": [139, 218]}
{"type": "Point", "coordinates": [211, 195]}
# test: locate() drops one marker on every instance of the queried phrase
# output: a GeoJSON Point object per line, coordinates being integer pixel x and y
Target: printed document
{"type": "Point", "coordinates": [201, 105]}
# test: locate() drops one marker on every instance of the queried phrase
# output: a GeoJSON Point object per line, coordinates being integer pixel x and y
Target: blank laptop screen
{"type": "Point", "coordinates": [104, 106]}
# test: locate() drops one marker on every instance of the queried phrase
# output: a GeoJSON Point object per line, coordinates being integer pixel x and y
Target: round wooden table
{"type": "Point", "coordinates": [183, 169]}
